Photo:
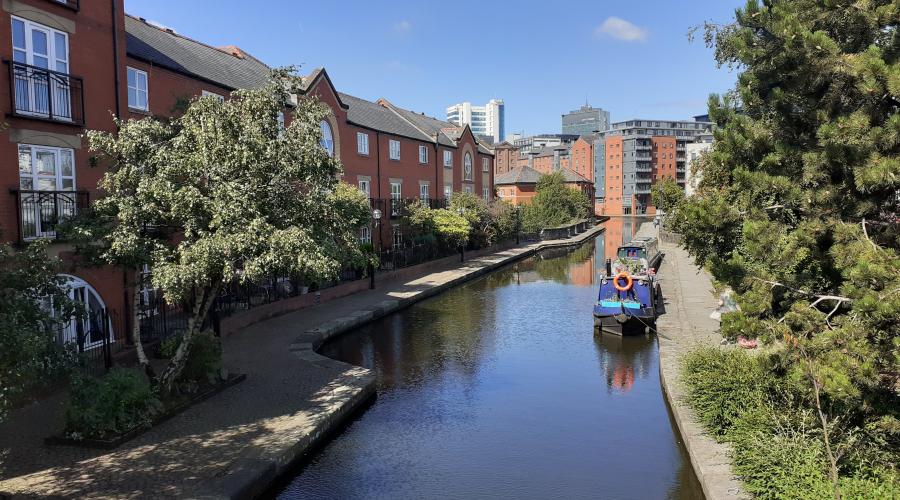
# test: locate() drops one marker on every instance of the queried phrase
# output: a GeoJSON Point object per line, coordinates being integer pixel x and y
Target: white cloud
{"type": "Point", "coordinates": [620, 29]}
{"type": "Point", "coordinates": [402, 27]}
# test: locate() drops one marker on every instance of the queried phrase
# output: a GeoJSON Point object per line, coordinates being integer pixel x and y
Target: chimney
{"type": "Point", "coordinates": [233, 50]}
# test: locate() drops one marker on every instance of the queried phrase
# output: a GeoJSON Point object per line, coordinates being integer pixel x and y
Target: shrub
{"type": "Point", "coordinates": [118, 402]}
{"type": "Point", "coordinates": [722, 384]}
{"type": "Point", "coordinates": [205, 359]}
{"type": "Point", "coordinates": [168, 346]}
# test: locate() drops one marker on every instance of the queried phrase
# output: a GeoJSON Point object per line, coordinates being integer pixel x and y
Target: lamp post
{"type": "Point", "coordinates": [376, 216]}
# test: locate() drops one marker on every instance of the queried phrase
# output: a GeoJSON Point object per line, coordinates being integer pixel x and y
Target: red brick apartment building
{"type": "Point", "coordinates": [72, 64]}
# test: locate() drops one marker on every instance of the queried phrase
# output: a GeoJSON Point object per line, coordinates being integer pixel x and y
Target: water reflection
{"type": "Point", "coordinates": [492, 390]}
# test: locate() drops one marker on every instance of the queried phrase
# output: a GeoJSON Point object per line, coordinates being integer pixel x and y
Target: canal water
{"type": "Point", "coordinates": [500, 389]}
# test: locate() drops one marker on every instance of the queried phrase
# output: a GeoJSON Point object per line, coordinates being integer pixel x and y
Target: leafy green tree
{"type": "Point", "coordinates": [490, 221]}
{"type": "Point", "coordinates": [224, 193]}
{"type": "Point", "coordinates": [32, 298]}
{"type": "Point", "coordinates": [667, 195]}
{"type": "Point", "coordinates": [554, 204]}
{"type": "Point", "coordinates": [798, 202]}
{"type": "Point", "coordinates": [447, 224]}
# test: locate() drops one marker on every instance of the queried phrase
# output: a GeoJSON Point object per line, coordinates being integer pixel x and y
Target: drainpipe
{"type": "Point", "coordinates": [438, 185]}
{"type": "Point", "coordinates": [115, 22]}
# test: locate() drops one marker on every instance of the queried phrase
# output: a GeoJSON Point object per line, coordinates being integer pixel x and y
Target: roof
{"type": "Point", "coordinates": [379, 117]}
{"type": "Point", "coordinates": [528, 175]}
{"type": "Point", "coordinates": [518, 175]}
{"type": "Point", "coordinates": [230, 67]}
{"type": "Point", "coordinates": [428, 125]}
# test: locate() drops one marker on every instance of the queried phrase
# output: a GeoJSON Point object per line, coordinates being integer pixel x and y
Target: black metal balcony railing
{"type": "Point", "coordinates": [39, 212]}
{"type": "Point", "coordinates": [45, 95]}
{"type": "Point", "coordinates": [71, 4]}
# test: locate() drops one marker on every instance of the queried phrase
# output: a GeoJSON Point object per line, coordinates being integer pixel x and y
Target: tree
{"type": "Point", "coordinates": [667, 195]}
{"type": "Point", "coordinates": [33, 299]}
{"type": "Point", "coordinates": [450, 228]}
{"type": "Point", "coordinates": [221, 194]}
{"type": "Point", "coordinates": [798, 202]}
{"type": "Point", "coordinates": [554, 204]}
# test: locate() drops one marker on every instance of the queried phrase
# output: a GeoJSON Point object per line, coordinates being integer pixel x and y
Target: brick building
{"type": "Point", "coordinates": [74, 64]}
{"type": "Point", "coordinates": [519, 185]}
{"type": "Point", "coordinates": [506, 157]}
{"type": "Point", "coordinates": [631, 156]}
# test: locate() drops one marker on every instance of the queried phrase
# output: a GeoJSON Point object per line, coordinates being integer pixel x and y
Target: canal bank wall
{"type": "Point", "coordinates": [690, 299]}
{"type": "Point", "coordinates": [237, 444]}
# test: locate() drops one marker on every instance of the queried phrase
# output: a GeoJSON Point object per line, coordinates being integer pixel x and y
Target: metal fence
{"type": "Point", "coordinates": [44, 94]}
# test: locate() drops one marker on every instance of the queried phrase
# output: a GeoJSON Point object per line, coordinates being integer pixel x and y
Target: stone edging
{"type": "Point", "coordinates": [250, 477]}
{"type": "Point", "coordinates": [710, 459]}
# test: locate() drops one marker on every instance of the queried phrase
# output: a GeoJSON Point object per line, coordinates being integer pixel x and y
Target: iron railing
{"type": "Point", "coordinates": [40, 212]}
{"type": "Point", "coordinates": [43, 94]}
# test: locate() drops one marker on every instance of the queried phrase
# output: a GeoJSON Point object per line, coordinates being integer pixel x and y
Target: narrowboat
{"type": "Point", "coordinates": [630, 298]}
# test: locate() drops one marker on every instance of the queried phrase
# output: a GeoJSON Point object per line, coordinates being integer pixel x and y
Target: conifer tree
{"type": "Point", "coordinates": [797, 209]}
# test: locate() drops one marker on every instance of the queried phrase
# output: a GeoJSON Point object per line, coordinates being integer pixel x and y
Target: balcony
{"type": "Point", "coordinates": [39, 212]}
{"type": "Point", "coordinates": [69, 4]}
{"type": "Point", "coordinates": [41, 94]}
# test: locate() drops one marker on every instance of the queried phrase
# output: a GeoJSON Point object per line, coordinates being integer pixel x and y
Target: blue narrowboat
{"type": "Point", "coordinates": [630, 298]}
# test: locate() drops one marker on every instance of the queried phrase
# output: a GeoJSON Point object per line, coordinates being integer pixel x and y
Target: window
{"type": "Point", "coordinates": [397, 238]}
{"type": "Point", "coordinates": [280, 118]}
{"type": "Point", "coordinates": [448, 159]}
{"type": "Point", "coordinates": [365, 234]}
{"type": "Point", "coordinates": [327, 141]}
{"type": "Point", "coordinates": [448, 191]}
{"type": "Point", "coordinates": [362, 143]}
{"type": "Point", "coordinates": [467, 166]}
{"type": "Point", "coordinates": [486, 192]}
{"type": "Point", "coordinates": [468, 189]}
{"type": "Point", "coordinates": [423, 154]}
{"type": "Point", "coordinates": [207, 93]}
{"type": "Point", "coordinates": [395, 199]}
{"type": "Point", "coordinates": [394, 149]}
{"type": "Point", "coordinates": [47, 49]}
{"type": "Point", "coordinates": [485, 165]}
{"type": "Point", "coordinates": [137, 90]}
{"type": "Point", "coordinates": [364, 186]}
{"type": "Point", "coordinates": [43, 170]}
{"type": "Point", "coordinates": [89, 327]}
{"type": "Point", "coordinates": [423, 192]}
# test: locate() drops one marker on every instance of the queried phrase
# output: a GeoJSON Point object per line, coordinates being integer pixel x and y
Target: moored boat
{"type": "Point", "coordinates": [630, 299]}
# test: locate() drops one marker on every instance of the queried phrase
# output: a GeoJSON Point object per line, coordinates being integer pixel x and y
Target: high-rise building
{"type": "Point", "coordinates": [585, 121]}
{"type": "Point", "coordinates": [487, 120]}
{"type": "Point", "coordinates": [632, 155]}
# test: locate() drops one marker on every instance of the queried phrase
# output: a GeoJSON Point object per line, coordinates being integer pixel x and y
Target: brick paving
{"type": "Point", "coordinates": [686, 325]}
{"type": "Point", "coordinates": [237, 442]}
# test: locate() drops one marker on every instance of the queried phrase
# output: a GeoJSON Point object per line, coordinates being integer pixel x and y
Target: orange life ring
{"type": "Point", "coordinates": [628, 282]}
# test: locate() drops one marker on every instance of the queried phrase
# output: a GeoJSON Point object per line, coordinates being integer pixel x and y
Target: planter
{"type": "Point", "coordinates": [114, 442]}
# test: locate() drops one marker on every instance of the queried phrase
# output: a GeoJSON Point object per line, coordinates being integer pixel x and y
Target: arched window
{"type": "Point", "coordinates": [467, 166]}
{"type": "Point", "coordinates": [87, 331]}
{"type": "Point", "coordinates": [327, 138]}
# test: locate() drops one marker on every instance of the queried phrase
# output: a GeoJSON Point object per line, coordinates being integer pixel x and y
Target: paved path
{"type": "Point", "coordinates": [234, 444]}
{"type": "Point", "coordinates": [685, 326]}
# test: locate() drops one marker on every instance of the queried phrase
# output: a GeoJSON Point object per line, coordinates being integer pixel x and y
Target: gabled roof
{"type": "Point", "coordinates": [379, 117]}
{"type": "Point", "coordinates": [528, 175]}
{"type": "Point", "coordinates": [428, 125]}
{"type": "Point", "coordinates": [178, 53]}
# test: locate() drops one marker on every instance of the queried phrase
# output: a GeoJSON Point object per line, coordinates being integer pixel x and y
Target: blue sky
{"type": "Point", "coordinates": [543, 58]}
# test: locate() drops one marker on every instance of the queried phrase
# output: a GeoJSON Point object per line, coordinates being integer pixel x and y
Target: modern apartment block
{"type": "Point", "coordinates": [693, 151]}
{"type": "Point", "coordinates": [634, 154]}
{"type": "Point", "coordinates": [585, 121]}
{"type": "Point", "coordinates": [130, 68]}
{"type": "Point", "coordinates": [488, 120]}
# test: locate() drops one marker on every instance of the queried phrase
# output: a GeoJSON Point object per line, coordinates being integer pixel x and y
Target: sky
{"type": "Point", "coordinates": [542, 58]}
